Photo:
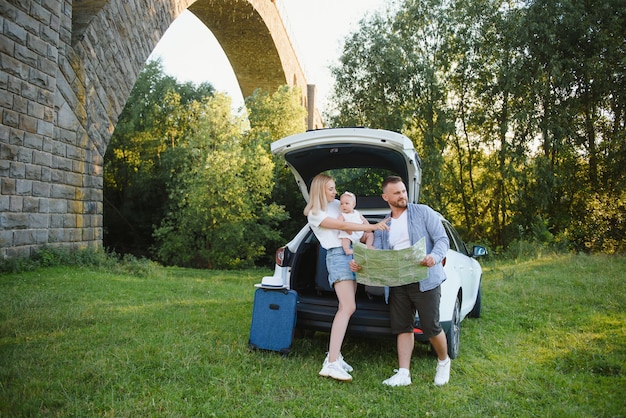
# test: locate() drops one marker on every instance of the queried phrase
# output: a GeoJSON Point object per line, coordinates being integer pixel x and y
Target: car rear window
{"type": "Point", "coordinates": [363, 182]}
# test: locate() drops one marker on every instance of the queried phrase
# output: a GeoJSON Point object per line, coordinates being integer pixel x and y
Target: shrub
{"type": "Point", "coordinates": [93, 258]}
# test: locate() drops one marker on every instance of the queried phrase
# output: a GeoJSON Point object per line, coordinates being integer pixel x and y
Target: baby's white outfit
{"type": "Point", "coordinates": [354, 217]}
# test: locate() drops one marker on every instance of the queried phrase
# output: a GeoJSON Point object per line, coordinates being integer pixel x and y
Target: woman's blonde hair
{"type": "Point", "coordinates": [317, 194]}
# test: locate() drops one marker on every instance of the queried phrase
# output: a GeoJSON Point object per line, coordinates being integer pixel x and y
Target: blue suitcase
{"type": "Point", "coordinates": [273, 320]}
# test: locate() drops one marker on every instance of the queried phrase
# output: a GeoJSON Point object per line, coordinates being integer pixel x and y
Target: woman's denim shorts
{"type": "Point", "coordinates": [338, 265]}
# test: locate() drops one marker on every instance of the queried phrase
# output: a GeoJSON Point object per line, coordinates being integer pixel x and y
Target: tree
{"type": "Point", "coordinates": [274, 116]}
{"type": "Point", "coordinates": [185, 183]}
{"type": "Point", "coordinates": [575, 80]}
{"type": "Point", "coordinates": [389, 78]}
{"type": "Point", "coordinates": [222, 213]}
{"type": "Point", "coordinates": [215, 190]}
{"type": "Point", "coordinates": [156, 115]}
{"type": "Point", "coordinates": [517, 109]}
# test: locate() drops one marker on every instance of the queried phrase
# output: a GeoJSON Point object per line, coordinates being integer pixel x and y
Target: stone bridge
{"type": "Point", "coordinates": [66, 70]}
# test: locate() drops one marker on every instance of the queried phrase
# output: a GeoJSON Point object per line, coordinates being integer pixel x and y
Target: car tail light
{"type": "Point", "coordinates": [280, 256]}
{"type": "Point", "coordinates": [417, 331]}
{"type": "Point", "coordinates": [443, 262]}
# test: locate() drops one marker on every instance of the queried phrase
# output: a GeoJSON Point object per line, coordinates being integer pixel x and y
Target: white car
{"type": "Point", "coordinates": [359, 159]}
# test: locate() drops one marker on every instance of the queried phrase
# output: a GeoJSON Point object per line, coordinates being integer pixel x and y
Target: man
{"type": "Point", "coordinates": [408, 224]}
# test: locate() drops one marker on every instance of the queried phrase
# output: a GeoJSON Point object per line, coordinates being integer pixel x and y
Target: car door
{"type": "Point", "coordinates": [464, 267]}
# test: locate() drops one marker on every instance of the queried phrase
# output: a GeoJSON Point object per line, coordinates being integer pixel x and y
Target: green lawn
{"type": "Point", "coordinates": [551, 342]}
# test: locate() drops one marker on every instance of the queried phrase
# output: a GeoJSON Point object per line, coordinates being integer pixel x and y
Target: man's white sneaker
{"type": "Point", "coordinates": [344, 365]}
{"type": "Point", "coordinates": [335, 371]}
{"type": "Point", "coordinates": [398, 379]}
{"type": "Point", "coordinates": [443, 373]}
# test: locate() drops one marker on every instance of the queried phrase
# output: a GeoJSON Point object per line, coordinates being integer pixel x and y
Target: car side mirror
{"type": "Point", "coordinates": [478, 251]}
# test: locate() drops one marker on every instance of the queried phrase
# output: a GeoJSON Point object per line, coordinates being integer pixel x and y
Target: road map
{"type": "Point", "coordinates": [390, 267]}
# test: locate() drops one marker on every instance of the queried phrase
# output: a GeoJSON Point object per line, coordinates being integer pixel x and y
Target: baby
{"type": "Point", "coordinates": [347, 202]}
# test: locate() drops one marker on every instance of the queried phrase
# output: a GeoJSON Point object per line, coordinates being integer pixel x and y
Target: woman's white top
{"type": "Point", "coordinates": [328, 238]}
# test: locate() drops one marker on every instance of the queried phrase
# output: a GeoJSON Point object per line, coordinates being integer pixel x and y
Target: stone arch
{"type": "Point", "coordinates": [67, 68]}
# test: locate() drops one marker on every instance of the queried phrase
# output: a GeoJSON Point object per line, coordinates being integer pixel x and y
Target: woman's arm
{"type": "Point", "coordinates": [333, 223]}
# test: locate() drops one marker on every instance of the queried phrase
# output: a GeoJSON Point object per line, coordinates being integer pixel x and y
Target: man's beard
{"type": "Point", "coordinates": [400, 204]}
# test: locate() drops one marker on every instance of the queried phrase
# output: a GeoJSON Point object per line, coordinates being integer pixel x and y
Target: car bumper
{"type": "Point", "coordinates": [371, 318]}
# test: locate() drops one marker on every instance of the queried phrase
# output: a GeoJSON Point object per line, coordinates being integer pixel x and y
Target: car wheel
{"type": "Point", "coordinates": [475, 312]}
{"type": "Point", "coordinates": [453, 335]}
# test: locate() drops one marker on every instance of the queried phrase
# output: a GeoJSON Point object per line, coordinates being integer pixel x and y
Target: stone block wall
{"type": "Point", "coordinates": [66, 70]}
{"type": "Point", "coordinates": [42, 193]}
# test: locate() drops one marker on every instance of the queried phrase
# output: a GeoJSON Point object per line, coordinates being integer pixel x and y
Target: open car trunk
{"type": "Point", "coordinates": [358, 159]}
{"type": "Point", "coordinates": [318, 302]}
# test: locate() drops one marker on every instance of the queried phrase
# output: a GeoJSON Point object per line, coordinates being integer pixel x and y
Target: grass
{"type": "Point", "coordinates": [78, 341]}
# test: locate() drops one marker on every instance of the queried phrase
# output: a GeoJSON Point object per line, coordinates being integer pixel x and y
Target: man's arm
{"type": "Point", "coordinates": [438, 236]}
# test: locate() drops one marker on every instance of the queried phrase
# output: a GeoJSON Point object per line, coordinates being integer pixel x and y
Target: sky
{"type": "Point", "coordinates": [317, 29]}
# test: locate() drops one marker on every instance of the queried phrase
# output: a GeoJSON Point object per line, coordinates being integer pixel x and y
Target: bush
{"type": "Point", "coordinates": [603, 228]}
{"type": "Point", "coordinates": [93, 258]}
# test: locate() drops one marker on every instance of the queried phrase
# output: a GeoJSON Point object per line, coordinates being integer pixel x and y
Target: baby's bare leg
{"type": "Point", "coordinates": [345, 243]}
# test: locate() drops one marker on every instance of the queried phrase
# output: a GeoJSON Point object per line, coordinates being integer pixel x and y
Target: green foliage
{"type": "Point", "coordinates": [602, 227]}
{"type": "Point", "coordinates": [220, 191]}
{"type": "Point", "coordinates": [213, 194]}
{"type": "Point", "coordinates": [360, 181]}
{"type": "Point", "coordinates": [371, 66]}
{"type": "Point", "coordinates": [186, 184]}
{"type": "Point", "coordinates": [80, 341]}
{"type": "Point", "coordinates": [517, 110]}
{"type": "Point", "coordinates": [276, 115]}
{"type": "Point", "coordinates": [158, 113]}
{"type": "Point", "coordinates": [273, 117]}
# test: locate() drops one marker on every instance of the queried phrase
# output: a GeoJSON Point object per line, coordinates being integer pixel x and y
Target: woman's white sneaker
{"type": "Point", "coordinates": [341, 361]}
{"type": "Point", "coordinates": [336, 371]}
{"type": "Point", "coordinates": [345, 365]}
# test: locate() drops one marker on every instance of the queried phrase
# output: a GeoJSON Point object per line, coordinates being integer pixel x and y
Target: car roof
{"type": "Point", "coordinates": [312, 152]}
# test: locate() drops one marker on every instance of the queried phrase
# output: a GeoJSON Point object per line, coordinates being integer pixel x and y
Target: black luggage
{"type": "Point", "coordinates": [273, 320]}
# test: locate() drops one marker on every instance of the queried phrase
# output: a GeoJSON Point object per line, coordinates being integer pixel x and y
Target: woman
{"type": "Point", "coordinates": [322, 212]}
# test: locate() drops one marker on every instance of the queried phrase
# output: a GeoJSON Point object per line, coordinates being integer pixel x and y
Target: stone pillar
{"type": "Point", "coordinates": [50, 171]}
{"type": "Point", "coordinates": [310, 106]}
